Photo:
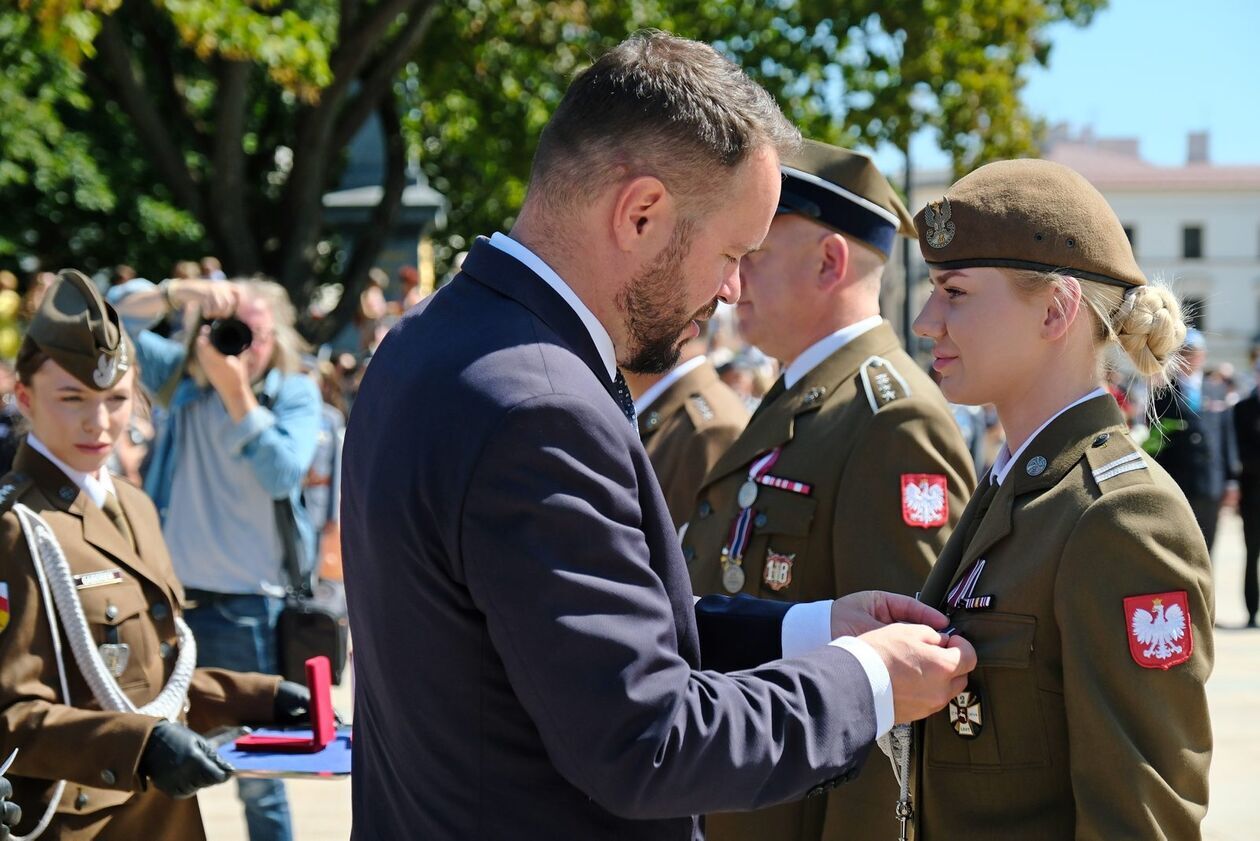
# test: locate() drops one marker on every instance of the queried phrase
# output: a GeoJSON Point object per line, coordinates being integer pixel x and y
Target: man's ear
{"type": "Point", "coordinates": [644, 214]}
{"type": "Point", "coordinates": [1062, 308]}
{"type": "Point", "coordinates": [835, 260]}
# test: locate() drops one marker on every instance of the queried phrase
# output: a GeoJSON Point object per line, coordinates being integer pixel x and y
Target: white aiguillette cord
{"type": "Point", "coordinates": [56, 585]}
{"type": "Point", "coordinates": [897, 744]}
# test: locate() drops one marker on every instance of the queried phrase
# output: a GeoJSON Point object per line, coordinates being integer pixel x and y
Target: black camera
{"type": "Point", "coordinates": [230, 336]}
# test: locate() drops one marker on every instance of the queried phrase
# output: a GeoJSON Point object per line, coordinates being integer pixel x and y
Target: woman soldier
{"type": "Point", "coordinates": [98, 689]}
{"type": "Point", "coordinates": [1077, 570]}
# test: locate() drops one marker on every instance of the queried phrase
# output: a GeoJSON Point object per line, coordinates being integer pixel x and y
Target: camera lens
{"type": "Point", "coordinates": [230, 336]}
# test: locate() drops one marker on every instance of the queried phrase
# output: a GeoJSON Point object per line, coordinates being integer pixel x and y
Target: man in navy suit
{"type": "Point", "coordinates": [529, 659]}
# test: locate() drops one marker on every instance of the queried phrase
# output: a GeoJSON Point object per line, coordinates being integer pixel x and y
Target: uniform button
{"type": "Point", "coordinates": [107, 777]}
{"type": "Point", "coordinates": [760, 521]}
{"type": "Point", "coordinates": [160, 611]}
{"type": "Point", "coordinates": [81, 800]}
{"type": "Point", "coordinates": [653, 421]}
{"type": "Point", "coordinates": [111, 612]}
{"type": "Point", "coordinates": [1102, 439]}
{"type": "Point", "coordinates": [689, 554]}
{"type": "Point", "coordinates": [67, 493]}
{"type": "Point", "coordinates": [165, 650]}
{"type": "Point", "coordinates": [705, 509]}
{"type": "Point", "coordinates": [1195, 438]}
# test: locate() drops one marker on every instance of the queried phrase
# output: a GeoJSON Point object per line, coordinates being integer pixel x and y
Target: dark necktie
{"type": "Point", "coordinates": [621, 392]}
{"type": "Point", "coordinates": [775, 390]}
{"type": "Point", "coordinates": [115, 513]}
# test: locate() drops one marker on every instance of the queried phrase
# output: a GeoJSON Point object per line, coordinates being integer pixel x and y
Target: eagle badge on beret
{"type": "Point", "coordinates": [940, 226]}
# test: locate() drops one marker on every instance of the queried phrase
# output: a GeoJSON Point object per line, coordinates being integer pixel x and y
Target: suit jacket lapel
{"type": "Point", "coordinates": [511, 278]}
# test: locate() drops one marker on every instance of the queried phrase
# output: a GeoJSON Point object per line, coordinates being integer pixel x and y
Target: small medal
{"type": "Point", "coordinates": [965, 715]}
{"type": "Point", "coordinates": [747, 494]}
{"type": "Point", "coordinates": [733, 578]}
{"type": "Point", "coordinates": [115, 656]}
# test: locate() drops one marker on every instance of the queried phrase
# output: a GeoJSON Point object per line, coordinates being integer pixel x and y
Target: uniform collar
{"type": "Point", "coordinates": [825, 347]}
{"type": "Point", "coordinates": [603, 342]}
{"type": "Point", "coordinates": [775, 422]}
{"type": "Point", "coordinates": [658, 388]}
{"type": "Point", "coordinates": [675, 395]}
{"type": "Point", "coordinates": [1006, 459]}
{"type": "Point", "coordinates": [95, 486]}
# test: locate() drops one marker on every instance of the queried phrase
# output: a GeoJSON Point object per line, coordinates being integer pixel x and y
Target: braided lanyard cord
{"type": "Point", "coordinates": [57, 588]}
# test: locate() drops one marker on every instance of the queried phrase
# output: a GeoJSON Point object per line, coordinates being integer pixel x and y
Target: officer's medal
{"type": "Point", "coordinates": [732, 576]}
{"type": "Point", "coordinates": [115, 655]}
{"type": "Point", "coordinates": [965, 715]}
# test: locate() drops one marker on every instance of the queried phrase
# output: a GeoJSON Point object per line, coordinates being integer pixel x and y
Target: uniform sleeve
{"type": "Point", "coordinates": [279, 443]}
{"type": "Point", "coordinates": [554, 555]}
{"type": "Point", "coordinates": [1139, 738]}
{"type": "Point", "coordinates": [874, 547]}
{"type": "Point", "coordinates": [49, 734]}
{"type": "Point", "coordinates": [218, 697]}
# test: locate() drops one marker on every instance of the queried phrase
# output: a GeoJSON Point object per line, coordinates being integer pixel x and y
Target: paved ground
{"type": "Point", "coordinates": [322, 809]}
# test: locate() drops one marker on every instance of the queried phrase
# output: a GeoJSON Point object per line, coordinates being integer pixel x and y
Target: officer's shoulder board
{"type": "Point", "coordinates": [699, 410]}
{"type": "Point", "coordinates": [12, 486]}
{"type": "Point", "coordinates": [882, 383]}
{"type": "Point", "coordinates": [1116, 461]}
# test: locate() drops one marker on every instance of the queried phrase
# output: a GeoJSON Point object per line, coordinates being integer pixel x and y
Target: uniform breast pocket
{"type": "Point", "coordinates": [120, 626]}
{"type": "Point", "coordinates": [1004, 696]}
{"type": "Point", "coordinates": [777, 550]}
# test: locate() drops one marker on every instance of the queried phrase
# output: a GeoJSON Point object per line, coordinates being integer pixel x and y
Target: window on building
{"type": "Point", "coordinates": [1192, 242]}
{"type": "Point", "coordinates": [1194, 311]}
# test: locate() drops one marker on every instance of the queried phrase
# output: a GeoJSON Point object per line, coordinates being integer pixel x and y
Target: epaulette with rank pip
{"type": "Point", "coordinates": [12, 487]}
{"type": "Point", "coordinates": [882, 383]}
{"type": "Point", "coordinates": [699, 410]}
{"type": "Point", "coordinates": [1113, 455]}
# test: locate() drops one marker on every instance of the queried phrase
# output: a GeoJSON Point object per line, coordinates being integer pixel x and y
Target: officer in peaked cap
{"type": "Point", "coordinates": [852, 472]}
{"type": "Point", "coordinates": [98, 685]}
{"type": "Point", "coordinates": [1076, 569]}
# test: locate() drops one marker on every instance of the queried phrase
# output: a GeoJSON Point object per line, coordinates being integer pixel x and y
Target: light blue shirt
{"type": "Point", "coordinates": [214, 481]}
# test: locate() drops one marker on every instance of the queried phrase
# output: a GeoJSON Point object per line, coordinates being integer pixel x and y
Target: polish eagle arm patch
{"type": "Point", "coordinates": [882, 383]}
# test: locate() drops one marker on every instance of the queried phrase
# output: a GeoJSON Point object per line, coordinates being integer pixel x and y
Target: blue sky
{"type": "Point", "coordinates": [1155, 70]}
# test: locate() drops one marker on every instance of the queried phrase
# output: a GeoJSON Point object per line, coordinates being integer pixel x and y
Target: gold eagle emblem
{"type": "Point", "coordinates": [940, 226]}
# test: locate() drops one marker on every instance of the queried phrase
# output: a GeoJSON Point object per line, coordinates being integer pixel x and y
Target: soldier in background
{"type": "Point", "coordinates": [852, 472]}
{"type": "Point", "coordinates": [687, 418]}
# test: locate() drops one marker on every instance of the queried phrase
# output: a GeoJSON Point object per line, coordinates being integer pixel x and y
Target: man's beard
{"type": "Point", "coordinates": [656, 309]}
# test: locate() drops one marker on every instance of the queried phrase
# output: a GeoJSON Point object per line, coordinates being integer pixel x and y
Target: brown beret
{"type": "Point", "coordinates": [78, 330]}
{"type": "Point", "coordinates": [845, 191]}
{"type": "Point", "coordinates": [1028, 214]}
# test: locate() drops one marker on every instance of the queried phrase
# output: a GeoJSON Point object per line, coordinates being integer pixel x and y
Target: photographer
{"type": "Point", "coordinates": [240, 432]}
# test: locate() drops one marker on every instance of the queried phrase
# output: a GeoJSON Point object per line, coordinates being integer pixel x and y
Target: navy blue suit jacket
{"type": "Point", "coordinates": [528, 655]}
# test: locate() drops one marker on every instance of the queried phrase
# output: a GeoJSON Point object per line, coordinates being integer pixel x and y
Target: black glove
{"type": "Point", "coordinates": [10, 813]}
{"type": "Point", "coordinates": [178, 761]}
{"type": "Point", "coordinates": [293, 703]}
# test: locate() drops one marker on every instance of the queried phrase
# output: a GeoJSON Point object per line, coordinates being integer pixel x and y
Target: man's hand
{"type": "Point", "coordinates": [216, 299]}
{"type": "Point", "coordinates": [857, 613]}
{"type": "Point", "coordinates": [228, 375]}
{"type": "Point", "coordinates": [178, 761]}
{"type": "Point", "coordinates": [10, 813]}
{"type": "Point", "coordinates": [927, 668]}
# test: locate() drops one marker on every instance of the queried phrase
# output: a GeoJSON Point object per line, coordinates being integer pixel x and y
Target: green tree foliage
{"type": "Point", "coordinates": [846, 71]}
{"type": "Point", "coordinates": [144, 131]}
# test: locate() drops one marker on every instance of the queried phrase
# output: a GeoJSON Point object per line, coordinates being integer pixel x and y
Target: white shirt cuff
{"type": "Point", "coordinates": [877, 674]}
{"type": "Point", "coordinates": [806, 626]}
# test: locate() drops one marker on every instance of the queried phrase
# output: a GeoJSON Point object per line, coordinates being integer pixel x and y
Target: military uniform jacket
{"type": "Point", "coordinates": [686, 430]}
{"type": "Point", "coordinates": [96, 751]}
{"type": "Point", "coordinates": [859, 429]}
{"type": "Point", "coordinates": [1093, 651]}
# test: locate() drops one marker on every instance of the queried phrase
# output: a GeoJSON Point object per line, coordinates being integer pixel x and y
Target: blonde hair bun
{"type": "Point", "coordinates": [1150, 328]}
